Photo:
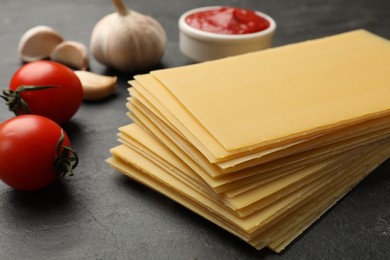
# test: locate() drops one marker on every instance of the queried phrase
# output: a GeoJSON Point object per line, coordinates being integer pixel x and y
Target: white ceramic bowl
{"type": "Point", "coordinates": [202, 46]}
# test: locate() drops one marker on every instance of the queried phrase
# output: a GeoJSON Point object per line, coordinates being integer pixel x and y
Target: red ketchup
{"type": "Point", "coordinates": [227, 20]}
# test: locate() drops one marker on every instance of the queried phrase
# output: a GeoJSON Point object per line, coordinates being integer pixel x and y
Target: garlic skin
{"type": "Point", "coordinates": [127, 40]}
{"type": "Point", "coordinates": [72, 54]}
{"type": "Point", "coordinates": [38, 42]}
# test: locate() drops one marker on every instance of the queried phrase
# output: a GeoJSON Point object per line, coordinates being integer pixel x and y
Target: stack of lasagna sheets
{"type": "Point", "coordinates": [262, 144]}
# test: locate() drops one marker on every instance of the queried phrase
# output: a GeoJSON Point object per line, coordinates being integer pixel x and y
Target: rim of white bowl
{"type": "Point", "coordinates": [197, 33]}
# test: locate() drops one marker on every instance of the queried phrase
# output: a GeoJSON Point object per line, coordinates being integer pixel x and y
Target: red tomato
{"type": "Point", "coordinates": [29, 156]}
{"type": "Point", "coordinates": [59, 103]}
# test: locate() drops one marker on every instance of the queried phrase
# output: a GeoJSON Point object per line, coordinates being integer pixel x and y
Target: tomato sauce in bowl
{"type": "Point", "coordinates": [215, 32]}
{"type": "Point", "coordinates": [228, 20]}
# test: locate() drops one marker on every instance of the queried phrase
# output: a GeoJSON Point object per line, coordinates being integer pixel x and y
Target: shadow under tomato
{"type": "Point", "coordinates": [71, 128]}
{"type": "Point", "coordinates": [53, 209]}
{"type": "Point", "coordinates": [54, 196]}
{"type": "Point", "coordinates": [76, 132]}
{"type": "Point", "coordinates": [47, 207]}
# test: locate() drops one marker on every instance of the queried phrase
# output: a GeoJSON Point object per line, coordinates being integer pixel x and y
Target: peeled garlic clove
{"type": "Point", "coordinates": [127, 40]}
{"type": "Point", "coordinates": [96, 86]}
{"type": "Point", "coordinates": [72, 54]}
{"type": "Point", "coordinates": [38, 42]}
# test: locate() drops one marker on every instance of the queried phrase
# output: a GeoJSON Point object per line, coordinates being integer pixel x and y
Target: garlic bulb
{"type": "Point", "coordinates": [127, 40]}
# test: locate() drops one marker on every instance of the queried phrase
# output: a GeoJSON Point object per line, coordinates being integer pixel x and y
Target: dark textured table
{"type": "Point", "coordinates": [100, 214]}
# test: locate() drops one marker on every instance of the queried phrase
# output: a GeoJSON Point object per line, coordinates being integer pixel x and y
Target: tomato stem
{"type": "Point", "coordinates": [65, 160]}
{"type": "Point", "coordinates": [15, 102]}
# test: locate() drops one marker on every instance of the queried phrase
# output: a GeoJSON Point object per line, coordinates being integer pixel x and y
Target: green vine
{"type": "Point", "coordinates": [65, 160]}
{"type": "Point", "coordinates": [15, 102]}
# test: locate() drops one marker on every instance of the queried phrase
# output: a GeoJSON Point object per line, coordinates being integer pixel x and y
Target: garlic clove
{"type": "Point", "coordinates": [96, 86]}
{"type": "Point", "coordinates": [38, 42]}
{"type": "Point", "coordinates": [72, 54]}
